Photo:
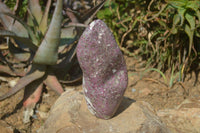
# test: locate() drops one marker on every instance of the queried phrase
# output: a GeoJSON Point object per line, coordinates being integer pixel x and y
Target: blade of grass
{"type": "Point", "coordinates": [154, 69]}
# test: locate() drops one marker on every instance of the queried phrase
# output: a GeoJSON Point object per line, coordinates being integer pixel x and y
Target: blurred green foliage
{"type": "Point", "coordinates": [164, 33]}
{"type": "Point", "coordinates": [22, 9]}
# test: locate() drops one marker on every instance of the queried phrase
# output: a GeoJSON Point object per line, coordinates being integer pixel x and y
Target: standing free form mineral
{"type": "Point", "coordinates": [104, 69]}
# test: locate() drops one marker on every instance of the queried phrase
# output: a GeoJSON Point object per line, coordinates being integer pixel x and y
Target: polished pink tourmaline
{"type": "Point", "coordinates": [104, 69]}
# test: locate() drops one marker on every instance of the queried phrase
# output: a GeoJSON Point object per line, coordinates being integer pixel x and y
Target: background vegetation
{"type": "Point", "coordinates": [165, 33]}
{"type": "Point", "coordinates": [41, 46]}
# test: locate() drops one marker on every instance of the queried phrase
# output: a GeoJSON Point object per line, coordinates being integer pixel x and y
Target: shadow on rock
{"type": "Point", "coordinates": [126, 102]}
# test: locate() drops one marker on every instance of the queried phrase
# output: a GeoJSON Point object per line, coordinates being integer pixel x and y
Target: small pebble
{"type": "Point", "coordinates": [44, 108]}
{"type": "Point", "coordinates": [34, 117]}
{"type": "Point", "coordinates": [133, 90]}
{"type": "Point", "coordinates": [12, 83]}
{"type": "Point", "coordinates": [46, 95]}
{"type": "Point", "coordinates": [43, 115]}
{"type": "Point", "coordinates": [3, 79]}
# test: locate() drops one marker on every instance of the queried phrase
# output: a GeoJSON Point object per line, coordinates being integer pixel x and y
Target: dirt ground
{"type": "Point", "coordinates": [150, 88]}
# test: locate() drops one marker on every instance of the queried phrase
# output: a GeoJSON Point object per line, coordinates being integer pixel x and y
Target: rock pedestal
{"type": "Point", "coordinates": [70, 115]}
{"type": "Point", "coordinates": [184, 119]}
{"type": "Point", "coordinates": [5, 128]}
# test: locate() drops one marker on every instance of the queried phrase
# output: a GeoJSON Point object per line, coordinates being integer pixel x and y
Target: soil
{"type": "Point", "coordinates": [150, 88]}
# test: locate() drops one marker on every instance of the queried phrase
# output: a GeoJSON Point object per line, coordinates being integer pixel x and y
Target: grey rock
{"type": "Point", "coordinates": [69, 114]}
{"type": "Point", "coordinates": [184, 119]}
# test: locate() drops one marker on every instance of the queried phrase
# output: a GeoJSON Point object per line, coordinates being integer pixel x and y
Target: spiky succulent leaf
{"type": "Point", "coordinates": [35, 9]}
{"type": "Point", "coordinates": [47, 52]}
{"type": "Point", "coordinates": [19, 53]}
{"type": "Point", "coordinates": [32, 21]}
{"type": "Point", "coordinates": [36, 72]}
{"type": "Point", "coordinates": [7, 70]}
{"type": "Point", "coordinates": [87, 18]}
{"type": "Point", "coordinates": [8, 22]}
{"type": "Point", "coordinates": [53, 83]}
{"type": "Point", "coordinates": [44, 21]}
{"type": "Point", "coordinates": [68, 36]}
{"type": "Point", "coordinates": [32, 92]}
{"type": "Point", "coordinates": [28, 28]}
{"type": "Point", "coordinates": [71, 33]}
{"type": "Point", "coordinates": [26, 41]}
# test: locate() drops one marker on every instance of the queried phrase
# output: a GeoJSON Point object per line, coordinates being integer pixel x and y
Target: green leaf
{"type": "Point", "coordinates": [47, 52]}
{"type": "Point", "coordinates": [104, 13]}
{"type": "Point", "coordinates": [171, 81]}
{"type": "Point", "coordinates": [176, 19]}
{"type": "Point", "coordinates": [194, 5]}
{"type": "Point", "coordinates": [191, 20]}
{"type": "Point", "coordinates": [32, 22]}
{"type": "Point", "coordinates": [198, 16]}
{"type": "Point", "coordinates": [44, 21]}
{"type": "Point", "coordinates": [162, 23]}
{"type": "Point", "coordinates": [181, 12]}
{"type": "Point", "coordinates": [35, 9]}
{"type": "Point", "coordinates": [190, 34]}
{"type": "Point", "coordinates": [177, 3]}
{"type": "Point", "coordinates": [197, 34]}
{"type": "Point", "coordinates": [157, 70]}
{"type": "Point", "coordinates": [174, 30]}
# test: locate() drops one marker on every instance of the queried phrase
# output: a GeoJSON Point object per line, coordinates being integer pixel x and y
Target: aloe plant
{"type": "Point", "coordinates": [48, 50]}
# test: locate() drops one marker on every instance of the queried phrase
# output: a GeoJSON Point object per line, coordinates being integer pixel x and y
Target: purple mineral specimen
{"type": "Point", "coordinates": [104, 69]}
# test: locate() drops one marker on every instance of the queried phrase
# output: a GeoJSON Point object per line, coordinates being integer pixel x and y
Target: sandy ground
{"type": "Point", "coordinates": [150, 88]}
